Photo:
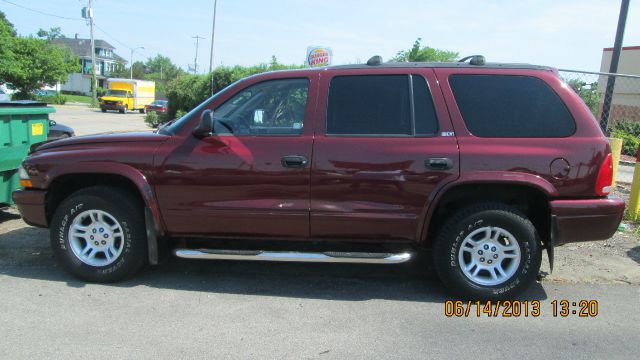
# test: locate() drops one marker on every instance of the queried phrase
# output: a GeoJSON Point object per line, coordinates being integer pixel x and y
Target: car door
{"type": "Point", "coordinates": [384, 146]}
{"type": "Point", "coordinates": [250, 178]}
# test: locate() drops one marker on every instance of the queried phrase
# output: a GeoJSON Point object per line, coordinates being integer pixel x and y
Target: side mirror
{"type": "Point", "coordinates": [52, 123]}
{"type": "Point", "coordinates": [205, 127]}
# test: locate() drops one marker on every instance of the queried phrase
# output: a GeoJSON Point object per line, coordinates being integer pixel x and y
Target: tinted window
{"type": "Point", "coordinates": [426, 120]}
{"type": "Point", "coordinates": [379, 105]}
{"type": "Point", "coordinates": [511, 106]}
{"type": "Point", "coordinates": [274, 107]}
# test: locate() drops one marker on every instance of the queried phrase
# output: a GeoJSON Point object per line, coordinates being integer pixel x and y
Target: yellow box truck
{"type": "Point", "coordinates": [128, 94]}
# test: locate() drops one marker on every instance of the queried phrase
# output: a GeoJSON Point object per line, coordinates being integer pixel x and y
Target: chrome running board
{"type": "Point", "coordinates": [329, 256]}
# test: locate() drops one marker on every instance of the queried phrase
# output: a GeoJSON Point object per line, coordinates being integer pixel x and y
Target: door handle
{"type": "Point", "coordinates": [438, 164]}
{"type": "Point", "coordinates": [294, 161]}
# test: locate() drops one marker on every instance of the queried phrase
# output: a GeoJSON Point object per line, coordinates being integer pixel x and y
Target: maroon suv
{"type": "Point", "coordinates": [485, 165]}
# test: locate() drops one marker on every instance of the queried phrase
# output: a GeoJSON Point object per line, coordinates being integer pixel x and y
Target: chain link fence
{"type": "Point", "coordinates": [624, 105]}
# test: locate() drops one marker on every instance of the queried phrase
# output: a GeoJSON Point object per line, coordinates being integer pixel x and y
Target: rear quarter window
{"type": "Point", "coordinates": [511, 106]}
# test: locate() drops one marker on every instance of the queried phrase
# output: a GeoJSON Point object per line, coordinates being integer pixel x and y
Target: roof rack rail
{"type": "Point", "coordinates": [474, 60]}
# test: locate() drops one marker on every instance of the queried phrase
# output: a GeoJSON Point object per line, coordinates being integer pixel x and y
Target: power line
{"type": "Point", "coordinates": [111, 36]}
{"type": "Point", "coordinates": [42, 12]}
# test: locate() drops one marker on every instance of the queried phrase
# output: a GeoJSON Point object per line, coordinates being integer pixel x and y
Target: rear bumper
{"type": "Point", "coordinates": [586, 220]}
{"type": "Point", "coordinates": [31, 204]}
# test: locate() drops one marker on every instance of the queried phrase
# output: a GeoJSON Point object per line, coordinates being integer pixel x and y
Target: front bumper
{"type": "Point", "coordinates": [586, 220]}
{"type": "Point", "coordinates": [31, 204]}
{"type": "Point", "coordinates": [111, 107]}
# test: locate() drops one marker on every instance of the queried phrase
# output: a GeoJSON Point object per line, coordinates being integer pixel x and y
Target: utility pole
{"type": "Point", "coordinates": [615, 59]}
{"type": "Point", "coordinates": [94, 80]}
{"type": "Point", "coordinates": [195, 63]}
{"type": "Point", "coordinates": [213, 36]}
{"type": "Point", "coordinates": [131, 61]}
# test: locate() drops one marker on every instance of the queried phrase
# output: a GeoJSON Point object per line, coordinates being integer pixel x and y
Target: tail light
{"type": "Point", "coordinates": [163, 109]}
{"type": "Point", "coordinates": [605, 177]}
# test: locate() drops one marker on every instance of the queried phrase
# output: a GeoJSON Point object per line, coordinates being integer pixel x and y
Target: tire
{"type": "Point", "coordinates": [119, 254]}
{"type": "Point", "coordinates": [122, 111]}
{"type": "Point", "coordinates": [103, 110]}
{"type": "Point", "coordinates": [141, 111]}
{"type": "Point", "coordinates": [513, 246]}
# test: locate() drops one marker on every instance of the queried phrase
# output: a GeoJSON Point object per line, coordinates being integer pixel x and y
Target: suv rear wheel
{"type": "Point", "coordinates": [488, 251]}
{"type": "Point", "coordinates": [98, 234]}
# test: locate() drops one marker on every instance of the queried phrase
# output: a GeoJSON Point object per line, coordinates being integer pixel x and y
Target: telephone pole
{"type": "Point", "coordinates": [94, 80]}
{"type": "Point", "coordinates": [613, 68]}
{"type": "Point", "coordinates": [213, 36]}
{"type": "Point", "coordinates": [195, 63]}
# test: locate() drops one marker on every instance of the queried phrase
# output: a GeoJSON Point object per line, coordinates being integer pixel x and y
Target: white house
{"type": "Point", "coordinates": [107, 62]}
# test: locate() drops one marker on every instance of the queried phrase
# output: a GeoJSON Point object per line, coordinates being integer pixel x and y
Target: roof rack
{"type": "Point", "coordinates": [375, 60]}
{"type": "Point", "coordinates": [478, 60]}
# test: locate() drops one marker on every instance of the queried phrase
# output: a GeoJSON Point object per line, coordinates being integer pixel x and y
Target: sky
{"type": "Point", "coordinates": [565, 34]}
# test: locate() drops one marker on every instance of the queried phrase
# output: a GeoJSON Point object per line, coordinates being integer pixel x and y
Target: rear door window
{"type": "Point", "coordinates": [510, 106]}
{"type": "Point", "coordinates": [380, 105]}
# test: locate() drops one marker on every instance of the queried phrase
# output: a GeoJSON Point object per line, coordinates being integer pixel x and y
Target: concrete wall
{"type": "Point", "coordinates": [626, 93]}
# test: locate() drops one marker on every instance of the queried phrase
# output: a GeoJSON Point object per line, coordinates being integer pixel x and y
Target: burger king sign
{"type": "Point", "coordinates": [318, 56]}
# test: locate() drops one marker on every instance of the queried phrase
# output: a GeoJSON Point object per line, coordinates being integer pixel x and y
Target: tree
{"type": "Point", "coordinates": [588, 92]}
{"type": "Point", "coordinates": [424, 53]}
{"type": "Point", "coordinates": [35, 63]}
{"type": "Point", "coordinates": [7, 34]}
{"type": "Point", "coordinates": [5, 25]}
{"type": "Point", "coordinates": [161, 68]}
{"type": "Point", "coordinates": [53, 33]}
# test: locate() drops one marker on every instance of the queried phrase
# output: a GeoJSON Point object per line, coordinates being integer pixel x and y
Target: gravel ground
{"type": "Point", "coordinates": [616, 260]}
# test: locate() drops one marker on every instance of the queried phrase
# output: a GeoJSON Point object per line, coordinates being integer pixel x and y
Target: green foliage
{"type": "Point", "coordinates": [161, 68]}
{"type": "Point", "coordinates": [57, 99]}
{"type": "Point", "coordinates": [588, 93]}
{"type": "Point", "coordinates": [629, 132]}
{"type": "Point", "coordinates": [187, 91]}
{"type": "Point", "coordinates": [419, 53]}
{"type": "Point", "coordinates": [28, 63]}
{"type": "Point", "coordinates": [100, 91]}
{"type": "Point", "coordinates": [7, 35]}
{"type": "Point", "coordinates": [180, 113]}
{"type": "Point", "coordinates": [152, 119]}
{"type": "Point", "coordinates": [53, 33]}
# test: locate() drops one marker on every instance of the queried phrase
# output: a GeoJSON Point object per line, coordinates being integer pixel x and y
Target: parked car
{"type": "Point", "coordinates": [4, 96]}
{"type": "Point", "coordinates": [159, 106]}
{"type": "Point", "coordinates": [484, 165]}
{"type": "Point", "coordinates": [59, 131]}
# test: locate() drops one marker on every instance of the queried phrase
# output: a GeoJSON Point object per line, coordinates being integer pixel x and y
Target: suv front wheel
{"type": "Point", "coordinates": [488, 251]}
{"type": "Point", "coordinates": [98, 234]}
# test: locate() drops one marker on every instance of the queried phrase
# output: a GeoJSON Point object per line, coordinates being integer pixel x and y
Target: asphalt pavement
{"type": "Point", "coordinates": [88, 121]}
{"type": "Point", "coordinates": [260, 310]}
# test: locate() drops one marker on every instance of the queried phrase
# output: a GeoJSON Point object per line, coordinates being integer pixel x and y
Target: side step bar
{"type": "Point", "coordinates": [330, 256]}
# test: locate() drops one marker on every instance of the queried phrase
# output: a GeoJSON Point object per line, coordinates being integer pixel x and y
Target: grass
{"type": "Point", "coordinates": [78, 98]}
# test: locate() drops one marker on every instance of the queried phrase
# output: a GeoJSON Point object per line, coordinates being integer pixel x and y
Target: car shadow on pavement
{"type": "Point", "coordinates": [413, 281]}
{"type": "Point", "coordinates": [634, 254]}
{"type": "Point", "coordinates": [4, 216]}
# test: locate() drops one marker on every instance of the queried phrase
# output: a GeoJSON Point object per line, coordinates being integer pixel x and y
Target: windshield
{"type": "Point", "coordinates": [117, 93]}
{"type": "Point", "coordinates": [175, 125]}
{"type": "Point", "coordinates": [160, 102]}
